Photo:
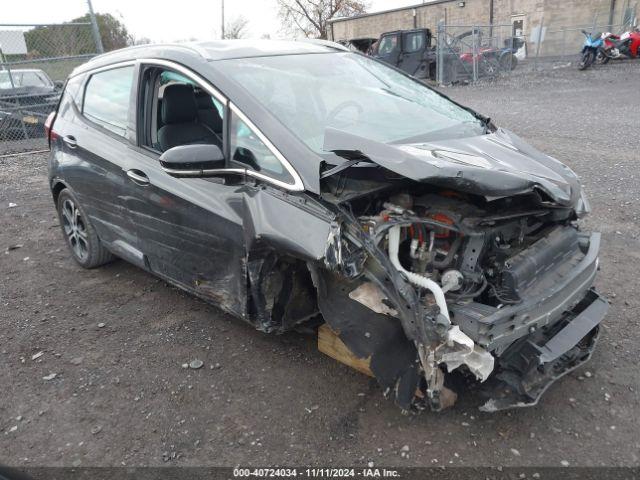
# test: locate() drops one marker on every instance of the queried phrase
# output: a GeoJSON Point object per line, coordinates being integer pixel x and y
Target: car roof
{"type": "Point", "coordinates": [212, 51]}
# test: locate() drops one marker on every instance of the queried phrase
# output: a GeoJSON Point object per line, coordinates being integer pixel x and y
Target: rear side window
{"type": "Point", "coordinates": [71, 95]}
{"type": "Point", "coordinates": [107, 97]}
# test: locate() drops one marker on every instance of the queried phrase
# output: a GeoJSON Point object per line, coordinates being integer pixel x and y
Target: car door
{"type": "Point", "coordinates": [94, 123]}
{"type": "Point", "coordinates": [190, 229]}
{"type": "Point", "coordinates": [413, 46]}
{"type": "Point", "coordinates": [389, 48]}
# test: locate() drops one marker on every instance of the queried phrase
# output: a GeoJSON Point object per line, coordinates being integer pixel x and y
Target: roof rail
{"type": "Point", "coordinates": [326, 43]}
{"type": "Point", "coordinates": [188, 46]}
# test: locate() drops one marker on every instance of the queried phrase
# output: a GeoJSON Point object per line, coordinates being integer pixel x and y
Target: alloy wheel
{"type": "Point", "coordinates": [75, 229]}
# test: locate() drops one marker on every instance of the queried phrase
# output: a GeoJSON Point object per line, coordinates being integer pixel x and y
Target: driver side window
{"type": "Point", "coordinates": [180, 112]}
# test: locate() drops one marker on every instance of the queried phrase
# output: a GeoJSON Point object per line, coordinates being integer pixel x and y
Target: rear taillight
{"type": "Point", "coordinates": [48, 128]}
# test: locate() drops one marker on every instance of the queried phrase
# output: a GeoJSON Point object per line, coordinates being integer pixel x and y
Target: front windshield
{"type": "Point", "coordinates": [351, 93]}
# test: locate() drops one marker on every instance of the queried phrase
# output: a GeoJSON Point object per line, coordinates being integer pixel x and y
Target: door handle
{"type": "Point", "coordinates": [70, 140]}
{"type": "Point", "coordinates": [138, 177]}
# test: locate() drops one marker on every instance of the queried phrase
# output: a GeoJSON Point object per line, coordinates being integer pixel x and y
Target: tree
{"type": "Point", "coordinates": [235, 28]}
{"type": "Point", "coordinates": [311, 17]}
{"type": "Point", "coordinates": [67, 40]}
{"type": "Point", "coordinates": [113, 32]}
{"type": "Point", "coordinates": [141, 41]}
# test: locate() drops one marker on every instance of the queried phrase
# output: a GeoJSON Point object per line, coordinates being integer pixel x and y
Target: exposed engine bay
{"type": "Point", "coordinates": [495, 281]}
{"type": "Point", "coordinates": [435, 246]}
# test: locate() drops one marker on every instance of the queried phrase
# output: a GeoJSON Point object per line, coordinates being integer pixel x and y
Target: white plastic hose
{"type": "Point", "coordinates": [419, 280]}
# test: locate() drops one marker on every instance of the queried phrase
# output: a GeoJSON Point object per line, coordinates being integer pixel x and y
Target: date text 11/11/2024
{"type": "Point", "coordinates": [315, 473]}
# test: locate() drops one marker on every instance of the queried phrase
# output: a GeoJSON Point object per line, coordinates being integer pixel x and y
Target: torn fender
{"type": "Point", "coordinates": [290, 224]}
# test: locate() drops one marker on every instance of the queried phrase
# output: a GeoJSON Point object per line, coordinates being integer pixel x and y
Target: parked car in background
{"type": "Point", "coordinates": [27, 96]}
{"type": "Point", "coordinates": [409, 50]}
{"type": "Point", "coordinates": [291, 183]}
{"type": "Point", "coordinates": [415, 52]}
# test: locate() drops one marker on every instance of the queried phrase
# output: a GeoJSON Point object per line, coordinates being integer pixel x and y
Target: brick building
{"type": "Point", "coordinates": [522, 15]}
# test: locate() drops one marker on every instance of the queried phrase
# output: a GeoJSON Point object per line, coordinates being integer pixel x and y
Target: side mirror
{"type": "Point", "coordinates": [193, 161]}
{"type": "Point", "coordinates": [58, 84]}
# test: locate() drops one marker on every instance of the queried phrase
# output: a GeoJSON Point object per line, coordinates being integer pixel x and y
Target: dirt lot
{"type": "Point", "coordinates": [121, 396]}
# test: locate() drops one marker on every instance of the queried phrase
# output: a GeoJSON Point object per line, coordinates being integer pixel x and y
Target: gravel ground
{"type": "Point", "coordinates": [116, 337]}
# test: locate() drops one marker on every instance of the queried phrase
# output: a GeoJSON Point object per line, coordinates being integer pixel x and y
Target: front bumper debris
{"type": "Point", "coordinates": [531, 365]}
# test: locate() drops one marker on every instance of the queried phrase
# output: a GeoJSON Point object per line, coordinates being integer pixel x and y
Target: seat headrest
{"type": "Point", "coordinates": [179, 104]}
{"type": "Point", "coordinates": [203, 100]}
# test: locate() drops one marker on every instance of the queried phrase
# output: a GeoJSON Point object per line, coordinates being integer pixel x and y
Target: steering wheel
{"type": "Point", "coordinates": [333, 120]}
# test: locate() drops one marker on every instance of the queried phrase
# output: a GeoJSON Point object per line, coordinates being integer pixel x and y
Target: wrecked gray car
{"type": "Point", "coordinates": [291, 181]}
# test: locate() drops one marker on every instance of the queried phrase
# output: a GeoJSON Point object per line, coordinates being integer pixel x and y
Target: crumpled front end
{"type": "Point", "coordinates": [424, 283]}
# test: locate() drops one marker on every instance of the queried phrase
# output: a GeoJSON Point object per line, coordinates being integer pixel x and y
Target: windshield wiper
{"type": "Point", "coordinates": [353, 157]}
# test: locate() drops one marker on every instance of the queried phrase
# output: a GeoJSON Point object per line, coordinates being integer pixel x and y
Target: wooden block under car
{"type": "Point", "coordinates": [330, 344]}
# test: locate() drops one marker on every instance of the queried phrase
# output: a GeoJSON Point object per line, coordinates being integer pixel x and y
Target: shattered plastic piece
{"type": "Point", "coordinates": [312, 409]}
{"type": "Point", "coordinates": [465, 352]}
{"type": "Point", "coordinates": [492, 405]}
{"type": "Point", "coordinates": [12, 205]}
{"type": "Point", "coordinates": [51, 376]}
{"type": "Point", "coordinates": [196, 364]}
{"type": "Point", "coordinates": [37, 355]}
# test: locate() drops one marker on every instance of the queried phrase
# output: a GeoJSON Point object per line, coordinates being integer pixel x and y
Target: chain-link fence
{"type": "Point", "coordinates": [468, 53]}
{"type": "Point", "coordinates": [34, 62]}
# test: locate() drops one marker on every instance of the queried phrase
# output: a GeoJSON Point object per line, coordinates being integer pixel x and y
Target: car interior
{"type": "Point", "coordinates": [184, 114]}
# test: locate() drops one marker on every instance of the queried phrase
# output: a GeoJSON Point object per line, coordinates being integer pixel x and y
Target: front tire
{"type": "Point", "coordinates": [81, 237]}
{"type": "Point", "coordinates": [587, 59]}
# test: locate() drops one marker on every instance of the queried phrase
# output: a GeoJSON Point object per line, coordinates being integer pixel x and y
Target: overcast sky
{"type": "Point", "coordinates": [164, 20]}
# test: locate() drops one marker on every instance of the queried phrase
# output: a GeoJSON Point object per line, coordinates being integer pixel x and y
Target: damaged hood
{"type": "Point", "coordinates": [494, 165]}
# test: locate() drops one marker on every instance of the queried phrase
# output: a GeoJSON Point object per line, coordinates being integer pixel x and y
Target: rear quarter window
{"type": "Point", "coordinates": [70, 96]}
{"type": "Point", "coordinates": [107, 97]}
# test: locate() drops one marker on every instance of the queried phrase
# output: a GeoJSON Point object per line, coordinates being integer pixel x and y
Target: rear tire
{"type": "Point", "coordinates": [82, 239]}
